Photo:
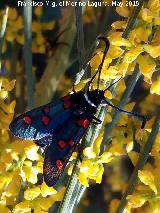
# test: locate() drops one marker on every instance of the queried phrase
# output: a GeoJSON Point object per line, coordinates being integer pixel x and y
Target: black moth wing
{"type": "Point", "coordinates": [60, 150]}
{"type": "Point", "coordinates": [43, 121]}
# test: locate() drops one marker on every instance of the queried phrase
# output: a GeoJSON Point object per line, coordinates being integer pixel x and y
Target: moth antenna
{"type": "Point", "coordinates": [104, 55]}
{"type": "Point", "coordinates": [113, 84]}
{"type": "Point", "coordinates": [143, 118]}
{"type": "Point", "coordinates": [102, 62]}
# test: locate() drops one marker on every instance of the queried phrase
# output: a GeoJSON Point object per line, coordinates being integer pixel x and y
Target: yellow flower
{"type": "Point", "coordinates": [115, 52]}
{"type": "Point", "coordinates": [59, 195]}
{"type": "Point", "coordinates": [136, 201]}
{"type": "Point", "coordinates": [120, 88]}
{"type": "Point", "coordinates": [14, 186]}
{"type": "Point", "coordinates": [31, 152]}
{"type": "Point", "coordinates": [83, 179]}
{"type": "Point", "coordinates": [117, 25]}
{"type": "Point", "coordinates": [155, 88]}
{"type": "Point", "coordinates": [4, 209]}
{"type": "Point", "coordinates": [156, 146]}
{"type": "Point", "coordinates": [108, 118]}
{"type": "Point", "coordinates": [29, 173]}
{"type": "Point", "coordinates": [106, 157]}
{"type": "Point", "coordinates": [22, 207]}
{"type": "Point", "coordinates": [32, 193]}
{"type": "Point", "coordinates": [140, 34]}
{"type": "Point", "coordinates": [129, 146]}
{"type": "Point", "coordinates": [70, 170]}
{"type": "Point", "coordinates": [153, 5]}
{"type": "Point", "coordinates": [92, 168]}
{"type": "Point", "coordinates": [97, 144]}
{"type": "Point", "coordinates": [154, 206]}
{"type": "Point", "coordinates": [116, 39]}
{"type": "Point", "coordinates": [8, 108]}
{"type": "Point", "coordinates": [38, 11]}
{"type": "Point", "coordinates": [81, 85]}
{"type": "Point", "coordinates": [122, 68]}
{"type": "Point", "coordinates": [132, 54]}
{"type": "Point", "coordinates": [146, 65]}
{"type": "Point", "coordinates": [110, 73]}
{"type": "Point", "coordinates": [117, 148]}
{"type": "Point", "coordinates": [123, 10]}
{"type": "Point", "coordinates": [73, 157]}
{"type": "Point", "coordinates": [12, 15]}
{"type": "Point", "coordinates": [96, 60]}
{"type": "Point", "coordinates": [88, 152]}
{"type": "Point", "coordinates": [147, 178]}
{"type": "Point", "coordinates": [46, 203]}
{"type": "Point", "coordinates": [99, 174]}
{"type": "Point", "coordinates": [147, 15]}
{"type": "Point", "coordinates": [153, 51]}
{"type": "Point", "coordinates": [45, 190]}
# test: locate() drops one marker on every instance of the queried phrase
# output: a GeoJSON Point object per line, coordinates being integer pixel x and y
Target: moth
{"type": "Point", "coordinates": [60, 126]}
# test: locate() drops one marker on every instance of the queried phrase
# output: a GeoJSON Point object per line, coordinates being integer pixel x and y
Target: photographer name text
{"type": "Point", "coordinates": [75, 4]}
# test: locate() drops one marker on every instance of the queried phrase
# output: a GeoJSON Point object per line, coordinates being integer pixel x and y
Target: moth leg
{"type": "Point", "coordinates": [73, 88]}
{"type": "Point", "coordinates": [79, 151]}
{"type": "Point", "coordinates": [97, 121]}
{"type": "Point", "coordinates": [90, 116]}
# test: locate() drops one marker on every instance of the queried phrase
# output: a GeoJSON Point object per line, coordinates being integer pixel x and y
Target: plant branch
{"type": "Point", "coordinates": [28, 52]}
{"type": "Point", "coordinates": [130, 25]}
{"type": "Point", "coordinates": [130, 87]}
{"type": "Point", "coordinates": [74, 187]}
{"type": "Point", "coordinates": [80, 34]}
{"type": "Point", "coordinates": [2, 33]}
{"type": "Point", "coordinates": [57, 63]}
{"type": "Point", "coordinates": [133, 80]}
{"type": "Point", "coordinates": [71, 189]}
{"type": "Point", "coordinates": [141, 162]}
{"type": "Point", "coordinates": [132, 19]}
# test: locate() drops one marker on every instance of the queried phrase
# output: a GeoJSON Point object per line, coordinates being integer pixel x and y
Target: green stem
{"type": "Point", "coordinates": [2, 33]}
{"type": "Point", "coordinates": [58, 63]}
{"type": "Point", "coordinates": [133, 80]}
{"type": "Point", "coordinates": [67, 203]}
{"type": "Point", "coordinates": [130, 87]}
{"type": "Point", "coordinates": [73, 186]}
{"type": "Point", "coordinates": [28, 52]}
{"type": "Point", "coordinates": [132, 19]}
{"type": "Point", "coordinates": [80, 35]}
{"type": "Point", "coordinates": [130, 25]}
{"type": "Point", "coordinates": [141, 162]}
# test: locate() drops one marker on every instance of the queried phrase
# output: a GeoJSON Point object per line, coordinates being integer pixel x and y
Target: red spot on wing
{"type": "Point", "coordinates": [62, 144]}
{"type": "Point", "coordinates": [67, 104]}
{"type": "Point", "coordinates": [27, 119]}
{"type": "Point", "coordinates": [71, 143]}
{"type": "Point", "coordinates": [66, 98]}
{"type": "Point", "coordinates": [59, 164]}
{"type": "Point", "coordinates": [46, 109]}
{"type": "Point", "coordinates": [45, 119]}
{"type": "Point", "coordinates": [83, 122]}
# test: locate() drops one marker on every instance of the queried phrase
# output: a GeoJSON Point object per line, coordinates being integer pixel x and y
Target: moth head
{"type": "Point", "coordinates": [96, 96]}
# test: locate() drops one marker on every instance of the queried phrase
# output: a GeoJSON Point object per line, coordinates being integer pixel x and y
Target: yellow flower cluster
{"type": "Point", "coordinates": [15, 30]}
{"type": "Point", "coordinates": [20, 163]}
{"type": "Point", "coordinates": [147, 190]}
{"type": "Point", "coordinates": [146, 195]}
{"type": "Point", "coordinates": [92, 165]}
{"type": "Point", "coordinates": [142, 46]}
{"type": "Point", "coordinates": [39, 42]}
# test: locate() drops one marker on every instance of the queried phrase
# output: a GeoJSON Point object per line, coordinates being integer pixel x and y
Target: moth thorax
{"type": "Point", "coordinates": [95, 97]}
